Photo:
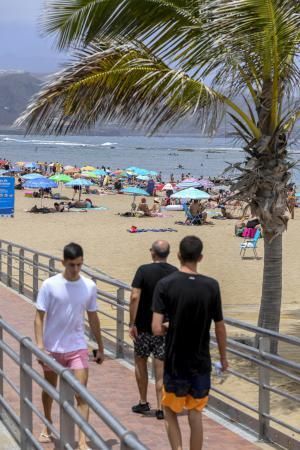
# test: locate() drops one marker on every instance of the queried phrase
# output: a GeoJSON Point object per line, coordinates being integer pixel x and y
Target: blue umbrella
{"type": "Point", "coordinates": [31, 165]}
{"type": "Point", "coordinates": [33, 176]}
{"type": "Point", "coordinates": [99, 172]}
{"type": "Point", "coordinates": [134, 191]}
{"type": "Point", "coordinates": [191, 193]}
{"type": "Point", "coordinates": [40, 183]}
{"type": "Point", "coordinates": [79, 182]}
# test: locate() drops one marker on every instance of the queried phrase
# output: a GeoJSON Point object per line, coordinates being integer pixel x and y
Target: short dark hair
{"type": "Point", "coordinates": [161, 249]}
{"type": "Point", "coordinates": [190, 248]}
{"type": "Point", "coordinates": [73, 251]}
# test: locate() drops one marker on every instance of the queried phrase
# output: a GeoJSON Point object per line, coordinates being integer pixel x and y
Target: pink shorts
{"type": "Point", "coordinates": [71, 360]}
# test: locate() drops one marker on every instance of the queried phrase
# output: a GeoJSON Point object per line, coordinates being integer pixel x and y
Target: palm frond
{"type": "Point", "coordinates": [123, 82]}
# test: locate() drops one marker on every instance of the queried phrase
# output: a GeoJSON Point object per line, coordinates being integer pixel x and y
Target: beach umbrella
{"type": "Point", "coordinates": [61, 178]}
{"type": "Point", "coordinates": [143, 177]}
{"type": "Point", "coordinates": [100, 172]}
{"type": "Point", "coordinates": [32, 176]}
{"type": "Point", "coordinates": [40, 183]}
{"type": "Point", "coordinates": [20, 163]}
{"type": "Point", "coordinates": [79, 182]}
{"type": "Point", "coordinates": [185, 184]}
{"type": "Point", "coordinates": [191, 194]}
{"type": "Point", "coordinates": [135, 191]}
{"type": "Point", "coordinates": [168, 187]}
{"type": "Point", "coordinates": [31, 165]}
{"type": "Point", "coordinates": [88, 168]}
{"type": "Point", "coordinates": [69, 167]}
{"type": "Point", "coordinates": [89, 175]}
{"type": "Point", "coordinates": [206, 183]}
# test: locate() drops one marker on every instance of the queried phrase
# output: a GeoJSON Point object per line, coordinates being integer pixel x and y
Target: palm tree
{"type": "Point", "coordinates": [153, 62]}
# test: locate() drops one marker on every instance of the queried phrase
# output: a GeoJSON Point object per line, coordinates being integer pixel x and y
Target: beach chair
{"type": "Point", "coordinates": [190, 219]}
{"type": "Point", "coordinates": [250, 243]}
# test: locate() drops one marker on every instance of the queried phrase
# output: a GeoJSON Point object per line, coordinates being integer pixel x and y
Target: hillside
{"type": "Point", "coordinates": [16, 89]}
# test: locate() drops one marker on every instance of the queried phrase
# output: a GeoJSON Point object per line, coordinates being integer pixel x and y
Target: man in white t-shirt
{"type": "Point", "coordinates": [63, 300]}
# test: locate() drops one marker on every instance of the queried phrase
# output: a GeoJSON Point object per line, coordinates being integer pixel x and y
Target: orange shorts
{"type": "Point", "coordinates": [177, 404]}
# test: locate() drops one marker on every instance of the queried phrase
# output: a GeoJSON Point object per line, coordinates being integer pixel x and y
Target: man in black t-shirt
{"type": "Point", "coordinates": [145, 343]}
{"type": "Point", "coordinates": [190, 301]}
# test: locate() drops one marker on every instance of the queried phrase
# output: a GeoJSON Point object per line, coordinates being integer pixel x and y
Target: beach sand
{"type": "Point", "coordinates": [110, 248]}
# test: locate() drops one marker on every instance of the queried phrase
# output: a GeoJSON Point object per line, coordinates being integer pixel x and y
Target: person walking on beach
{"type": "Point", "coordinates": [140, 331]}
{"type": "Point", "coordinates": [63, 300]}
{"type": "Point", "coordinates": [190, 301]}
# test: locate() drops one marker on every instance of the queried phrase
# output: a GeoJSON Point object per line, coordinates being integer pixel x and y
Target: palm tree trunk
{"type": "Point", "coordinates": [269, 314]}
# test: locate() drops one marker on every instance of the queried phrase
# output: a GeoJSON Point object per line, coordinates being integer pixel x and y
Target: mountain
{"type": "Point", "coordinates": [16, 89]}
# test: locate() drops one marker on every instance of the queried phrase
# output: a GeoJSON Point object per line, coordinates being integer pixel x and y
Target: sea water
{"type": "Point", "coordinates": [198, 156]}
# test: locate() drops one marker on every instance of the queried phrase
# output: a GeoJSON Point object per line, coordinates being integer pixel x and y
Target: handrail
{"type": "Point", "coordinates": [259, 366]}
{"type": "Point", "coordinates": [24, 360]}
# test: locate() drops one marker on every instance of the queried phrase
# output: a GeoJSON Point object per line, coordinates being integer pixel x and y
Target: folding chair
{"type": "Point", "coordinates": [250, 243]}
{"type": "Point", "coordinates": [190, 219]}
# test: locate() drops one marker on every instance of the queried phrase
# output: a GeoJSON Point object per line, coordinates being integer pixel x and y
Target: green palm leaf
{"type": "Point", "coordinates": [120, 82]}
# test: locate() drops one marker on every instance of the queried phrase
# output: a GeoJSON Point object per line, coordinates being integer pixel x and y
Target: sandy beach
{"type": "Point", "coordinates": [110, 248]}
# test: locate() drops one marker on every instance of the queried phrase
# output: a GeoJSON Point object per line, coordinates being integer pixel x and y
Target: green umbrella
{"type": "Point", "coordinates": [89, 175]}
{"type": "Point", "coordinates": [61, 177]}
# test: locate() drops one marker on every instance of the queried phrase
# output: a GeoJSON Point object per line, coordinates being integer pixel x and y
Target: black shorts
{"type": "Point", "coordinates": [146, 343]}
{"type": "Point", "coordinates": [196, 385]}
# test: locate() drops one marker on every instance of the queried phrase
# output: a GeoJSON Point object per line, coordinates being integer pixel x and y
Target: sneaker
{"type": "Point", "coordinates": [159, 414]}
{"type": "Point", "coordinates": [141, 408]}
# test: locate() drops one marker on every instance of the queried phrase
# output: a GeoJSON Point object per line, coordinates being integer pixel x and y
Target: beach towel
{"type": "Point", "coordinates": [134, 229]}
{"type": "Point", "coordinates": [100, 208]}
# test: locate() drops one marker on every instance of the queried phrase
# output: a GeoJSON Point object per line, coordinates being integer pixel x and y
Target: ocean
{"type": "Point", "coordinates": [197, 155]}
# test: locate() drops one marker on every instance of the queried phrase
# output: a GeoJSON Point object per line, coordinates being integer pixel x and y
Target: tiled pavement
{"type": "Point", "coordinates": [114, 386]}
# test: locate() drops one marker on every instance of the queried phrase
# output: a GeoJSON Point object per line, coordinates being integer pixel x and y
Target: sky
{"type": "Point", "coordinates": [22, 46]}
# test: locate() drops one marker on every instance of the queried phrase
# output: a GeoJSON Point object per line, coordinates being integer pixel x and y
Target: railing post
{"type": "Point", "coordinates": [120, 323]}
{"type": "Point", "coordinates": [0, 260]}
{"type": "Point", "coordinates": [9, 266]}
{"type": "Point", "coordinates": [51, 266]}
{"type": "Point", "coordinates": [1, 368]}
{"type": "Point", "coordinates": [21, 271]}
{"type": "Point", "coordinates": [35, 276]}
{"type": "Point", "coordinates": [67, 427]}
{"type": "Point", "coordinates": [25, 393]}
{"type": "Point", "coordinates": [264, 394]}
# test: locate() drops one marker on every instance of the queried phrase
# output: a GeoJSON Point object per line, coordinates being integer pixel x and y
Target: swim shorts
{"type": "Point", "coordinates": [186, 391]}
{"type": "Point", "coordinates": [75, 360]}
{"type": "Point", "coordinates": [146, 343]}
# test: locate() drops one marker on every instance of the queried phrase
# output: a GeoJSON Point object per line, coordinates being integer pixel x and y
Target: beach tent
{"type": "Point", "coordinates": [191, 194]}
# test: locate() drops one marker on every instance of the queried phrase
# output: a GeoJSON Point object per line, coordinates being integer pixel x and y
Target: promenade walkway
{"type": "Point", "coordinates": [113, 384]}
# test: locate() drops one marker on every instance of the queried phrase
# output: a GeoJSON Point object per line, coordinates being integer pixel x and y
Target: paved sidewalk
{"type": "Point", "coordinates": [114, 386]}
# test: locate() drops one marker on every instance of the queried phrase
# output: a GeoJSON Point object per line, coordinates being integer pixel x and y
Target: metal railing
{"type": "Point", "coordinates": [261, 390]}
